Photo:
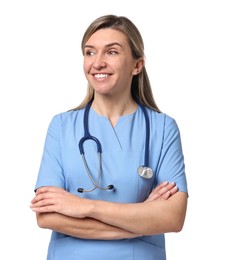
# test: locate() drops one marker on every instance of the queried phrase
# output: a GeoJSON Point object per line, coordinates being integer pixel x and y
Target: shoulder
{"type": "Point", "coordinates": [163, 125]}
{"type": "Point", "coordinates": [67, 116]}
{"type": "Point", "coordinates": [65, 121]}
{"type": "Point", "coordinates": [161, 119]}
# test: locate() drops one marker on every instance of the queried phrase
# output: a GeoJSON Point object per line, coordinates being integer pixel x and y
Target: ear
{"type": "Point", "coordinates": [138, 66]}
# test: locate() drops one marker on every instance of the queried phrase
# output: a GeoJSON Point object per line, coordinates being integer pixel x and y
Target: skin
{"type": "Point", "coordinates": [56, 209]}
{"type": "Point", "coordinates": [109, 68]}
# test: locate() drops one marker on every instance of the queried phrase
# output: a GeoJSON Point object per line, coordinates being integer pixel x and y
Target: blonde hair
{"type": "Point", "coordinates": [140, 86]}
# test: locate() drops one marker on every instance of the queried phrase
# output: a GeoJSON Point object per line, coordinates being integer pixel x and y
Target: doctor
{"type": "Point", "coordinates": [112, 176]}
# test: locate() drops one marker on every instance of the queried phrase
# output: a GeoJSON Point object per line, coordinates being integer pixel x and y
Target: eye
{"type": "Point", "coordinates": [89, 53]}
{"type": "Point", "coordinates": [112, 52]}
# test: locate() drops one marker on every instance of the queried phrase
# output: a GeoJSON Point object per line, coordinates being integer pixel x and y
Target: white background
{"type": "Point", "coordinates": [41, 75]}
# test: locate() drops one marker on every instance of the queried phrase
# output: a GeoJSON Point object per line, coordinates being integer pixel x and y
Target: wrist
{"type": "Point", "coordinates": [89, 208]}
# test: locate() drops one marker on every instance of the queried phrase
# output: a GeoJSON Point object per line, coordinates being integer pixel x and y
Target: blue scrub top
{"type": "Point", "coordinates": [123, 150]}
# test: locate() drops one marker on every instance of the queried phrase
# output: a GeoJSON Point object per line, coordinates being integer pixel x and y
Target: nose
{"type": "Point", "coordinates": [99, 62]}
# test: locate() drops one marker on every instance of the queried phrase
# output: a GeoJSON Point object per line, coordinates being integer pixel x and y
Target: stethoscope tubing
{"type": "Point", "coordinates": [147, 136]}
{"type": "Point", "coordinates": [88, 136]}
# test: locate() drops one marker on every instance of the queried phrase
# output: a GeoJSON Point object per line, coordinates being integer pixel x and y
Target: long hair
{"type": "Point", "coordinates": [140, 86]}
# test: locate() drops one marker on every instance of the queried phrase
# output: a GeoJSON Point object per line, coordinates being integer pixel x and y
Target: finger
{"type": "Point", "coordinates": [173, 190]}
{"type": "Point", "coordinates": [167, 188]}
{"type": "Point", "coordinates": [44, 196]}
{"type": "Point", "coordinates": [49, 208]}
{"type": "Point", "coordinates": [39, 198]}
{"type": "Point", "coordinates": [171, 185]}
{"type": "Point", "coordinates": [153, 197]}
{"type": "Point", "coordinates": [43, 203]}
{"type": "Point", "coordinates": [158, 191]}
{"type": "Point", "coordinates": [160, 186]}
{"type": "Point", "coordinates": [42, 190]}
{"type": "Point", "coordinates": [48, 189]}
{"type": "Point", "coordinates": [166, 195]}
{"type": "Point", "coordinates": [164, 189]}
{"type": "Point", "coordinates": [170, 193]}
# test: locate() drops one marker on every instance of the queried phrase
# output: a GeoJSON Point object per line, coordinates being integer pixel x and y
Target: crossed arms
{"type": "Point", "coordinates": [163, 211]}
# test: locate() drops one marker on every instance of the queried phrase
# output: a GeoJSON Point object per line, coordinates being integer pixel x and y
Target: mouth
{"type": "Point", "coordinates": [101, 76]}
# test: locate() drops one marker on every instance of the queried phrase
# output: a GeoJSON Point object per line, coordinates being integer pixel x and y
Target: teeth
{"type": "Point", "coordinates": [101, 76]}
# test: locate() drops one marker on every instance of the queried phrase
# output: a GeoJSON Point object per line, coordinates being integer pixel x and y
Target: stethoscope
{"type": "Point", "coordinates": [143, 171]}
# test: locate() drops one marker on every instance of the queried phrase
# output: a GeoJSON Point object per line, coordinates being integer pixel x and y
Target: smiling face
{"type": "Point", "coordinates": [108, 63]}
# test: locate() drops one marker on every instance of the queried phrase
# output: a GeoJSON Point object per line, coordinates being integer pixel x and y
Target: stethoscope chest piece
{"type": "Point", "coordinates": [145, 172]}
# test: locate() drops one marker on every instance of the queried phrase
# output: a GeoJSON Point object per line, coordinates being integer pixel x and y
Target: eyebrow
{"type": "Point", "coordinates": [107, 45]}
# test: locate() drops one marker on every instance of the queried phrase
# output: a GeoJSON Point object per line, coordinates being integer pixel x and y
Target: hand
{"type": "Point", "coordinates": [54, 199]}
{"type": "Point", "coordinates": [163, 191]}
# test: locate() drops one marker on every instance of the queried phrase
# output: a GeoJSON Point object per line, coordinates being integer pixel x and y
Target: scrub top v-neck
{"type": "Point", "coordinates": [123, 149]}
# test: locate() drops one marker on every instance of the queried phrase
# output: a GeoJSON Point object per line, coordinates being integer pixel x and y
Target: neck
{"type": "Point", "coordinates": [113, 109]}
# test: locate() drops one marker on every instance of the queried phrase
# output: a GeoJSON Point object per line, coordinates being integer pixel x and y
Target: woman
{"type": "Point", "coordinates": [92, 194]}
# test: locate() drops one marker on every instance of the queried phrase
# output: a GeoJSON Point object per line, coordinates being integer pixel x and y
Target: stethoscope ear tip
{"type": "Point", "coordinates": [80, 190]}
{"type": "Point", "coordinates": [110, 187]}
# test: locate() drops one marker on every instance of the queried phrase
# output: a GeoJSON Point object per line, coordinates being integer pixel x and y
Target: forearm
{"type": "Point", "coordinates": [146, 218]}
{"type": "Point", "coordinates": [85, 228]}
{"type": "Point", "coordinates": [164, 211]}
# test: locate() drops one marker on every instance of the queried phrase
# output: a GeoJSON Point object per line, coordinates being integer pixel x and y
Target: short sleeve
{"type": "Point", "coordinates": [171, 165]}
{"type": "Point", "coordinates": [51, 170]}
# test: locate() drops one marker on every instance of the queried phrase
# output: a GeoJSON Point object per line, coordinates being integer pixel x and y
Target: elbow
{"type": "Point", "coordinates": [178, 228]}
{"type": "Point", "coordinates": [172, 224]}
{"type": "Point", "coordinates": [178, 224]}
{"type": "Point", "coordinates": [162, 229]}
{"type": "Point", "coordinates": [177, 218]}
{"type": "Point", "coordinates": [42, 220]}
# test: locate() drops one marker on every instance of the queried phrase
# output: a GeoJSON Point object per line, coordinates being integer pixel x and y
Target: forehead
{"type": "Point", "coordinates": [104, 37]}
